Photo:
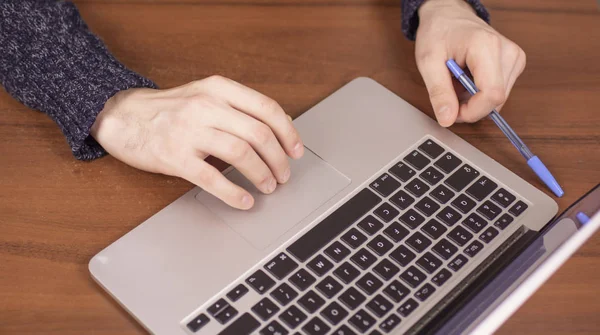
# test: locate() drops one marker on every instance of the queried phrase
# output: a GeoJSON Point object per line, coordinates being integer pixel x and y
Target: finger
{"type": "Point", "coordinates": [211, 180]}
{"type": "Point", "coordinates": [238, 153]}
{"type": "Point", "coordinates": [439, 85]}
{"type": "Point", "coordinates": [259, 135]}
{"type": "Point", "coordinates": [261, 108]}
{"type": "Point", "coordinates": [486, 66]}
{"type": "Point", "coordinates": [516, 71]}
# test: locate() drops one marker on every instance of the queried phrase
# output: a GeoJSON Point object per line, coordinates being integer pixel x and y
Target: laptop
{"type": "Point", "coordinates": [389, 224]}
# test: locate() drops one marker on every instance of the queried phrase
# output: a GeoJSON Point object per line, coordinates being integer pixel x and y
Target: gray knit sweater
{"type": "Point", "coordinates": [51, 62]}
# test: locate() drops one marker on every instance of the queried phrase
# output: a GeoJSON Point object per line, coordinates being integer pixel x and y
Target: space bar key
{"type": "Point", "coordinates": [244, 325]}
{"type": "Point", "coordinates": [333, 225]}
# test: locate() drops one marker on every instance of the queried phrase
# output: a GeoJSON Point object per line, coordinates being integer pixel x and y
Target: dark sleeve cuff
{"type": "Point", "coordinates": [410, 15]}
{"type": "Point", "coordinates": [51, 62]}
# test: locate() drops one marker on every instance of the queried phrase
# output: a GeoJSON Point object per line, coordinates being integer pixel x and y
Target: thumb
{"type": "Point", "coordinates": [438, 81]}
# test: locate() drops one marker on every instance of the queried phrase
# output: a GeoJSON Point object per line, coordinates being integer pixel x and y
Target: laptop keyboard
{"type": "Point", "coordinates": [372, 262]}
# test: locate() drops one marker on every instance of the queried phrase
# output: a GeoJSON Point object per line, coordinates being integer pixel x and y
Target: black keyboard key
{"type": "Point", "coordinates": [354, 238]}
{"type": "Point", "coordinates": [396, 232]}
{"type": "Point", "coordinates": [344, 330]}
{"type": "Point", "coordinates": [292, 317]}
{"type": "Point", "coordinates": [218, 306]}
{"type": "Point", "coordinates": [380, 245]}
{"type": "Point", "coordinates": [385, 185]}
{"type": "Point", "coordinates": [390, 323]}
{"type": "Point", "coordinates": [375, 332]}
{"type": "Point", "coordinates": [363, 258]}
{"type": "Point", "coordinates": [402, 200]}
{"type": "Point", "coordinates": [518, 208]}
{"type": "Point", "coordinates": [429, 262]}
{"type": "Point", "coordinates": [302, 279]}
{"type": "Point", "coordinates": [441, 277]}
{"type": "Point", "coordinates": [424, 292]}
{"type": "Point", "coordinates": [489, 210]}
{"type": "Point", "coordinates": [311, 301]}
{"type": "Point", "coordinates": [369, 283]}
{"type": "Point", "coordinates": [431, 148]}
{"type": "Point", "coordinates": [346, 272]}
{"type": "Point", "coordinates": [474, 248]}
{"type": "Point", "coordinates": [475, 222]}
{"type": "Point", "coordinates": [320, 265]}
{"type": "Point", "coordinates": [402, 171]}
{"type": "Point", "coordinates": [225, 315]}
{"type": "Point", "coordinates": [413, 276]}
{"type": "Point", "coordinates": [328, 229]}
{"type": "Point", "coordinates": [463, 203]}
{"type": "Point", "coordinates": [352, 298]}
{"type": "Point", "coordinates": [362, 321]}
{"type": "Point", "coordinates": [274, 328]}
{"type": "Point", "coordinates": [481, 188]}
{"type": "Point", "coordinates": [461, 178]}
{"type": "Point", "coordinates": [442, 194]}
{"type": "Point", "coordinates": [412, 219]}
{"type": "Point", "coordinates": [284, 294]}
{"type": "Point", "coordinates": [370, 225]}
{"type": "Point", "coordinates": [460, 235]}
{"type": "Point", "coordinates": [458, 262]}
{"type": "Point", "coordinates": [417, 187]}
{"type": "Point", "coordinates": [334, 313]}
{"type": "Point", "coordinates": [432, 176]}
{"type": "Point", "coordinates": [418, 242]}
{"type": "Point", "coordinates": [445, 249]}
{"type": "Point", "coordinates": [408, 307]}
{"type": "Point", "coordinates": [329, 287]}
{"type": "Point", "coordinates": [503, 198]}
{"type": "Point", "coordinates": [386, 212]}
{"type": "Point", "coordinates": [503, 221]}
{"type": "Point", "coordinates": [448, 162]}
{"type": "Point", "coordinates": [337, 251]}
{"type": "Point", "coordinates": [316, 326]}
{"type": "Point", "coordinates": [488, 235]}
{"type": "Point", "coordinates": [449, 216]}
{"type": "Point", "coordinates": [260, 281]}
{"type": "Point", "coordinates": [402, 255]}
{"type": "Point", "coordinates": [417, 160]}
{"type": "Point", "coordinates": [238, 292]}
{"type": "Point", "coordinates": [396, 291]}
{"type": "Point", "coordinates": [434, 229]}
{"type": "Point", "coordinates": [427, 206]}
{"type": "Point", "coordinates": [281, 266]}
{"type": "Point", "coordinates": [244, 325]}
{"type": "Point", "coordinates": [265, 309]}
{"type": "Point", "coordinates": [198, 322]}
{"type": "Point", "coordinates": [379, 305]}
{"type": "Point", "coordinates": [386, 269]}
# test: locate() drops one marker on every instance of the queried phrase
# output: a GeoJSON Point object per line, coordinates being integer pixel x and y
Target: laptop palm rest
{"type": "Point", "coordinates": [273, 215]}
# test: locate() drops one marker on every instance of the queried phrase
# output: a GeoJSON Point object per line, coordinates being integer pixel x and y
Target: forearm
{"type": "Point", "coordinates": [51, 62]}
{"type": "Point", "coordinates": [410, 17]}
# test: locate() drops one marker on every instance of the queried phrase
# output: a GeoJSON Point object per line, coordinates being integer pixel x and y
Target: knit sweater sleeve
{"type": "Point", "coordinates": [51, 62]}
{"type": "Point", "coordinates": [410, 17]}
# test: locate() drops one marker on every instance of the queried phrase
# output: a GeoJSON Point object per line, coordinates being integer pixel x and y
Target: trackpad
{"type": "Point", "coordinates": [312, 183]}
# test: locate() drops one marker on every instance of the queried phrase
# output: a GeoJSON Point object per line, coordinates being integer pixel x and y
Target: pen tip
{"type": "Point", "coordinates": [542, 171]}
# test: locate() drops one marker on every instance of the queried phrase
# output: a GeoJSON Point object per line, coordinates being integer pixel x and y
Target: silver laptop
{"type": "Point", "coordinates": [389, 224]}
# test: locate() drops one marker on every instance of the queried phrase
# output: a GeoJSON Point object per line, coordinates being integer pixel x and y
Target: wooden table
{"type": "Point", "coordinates": [56, 212]}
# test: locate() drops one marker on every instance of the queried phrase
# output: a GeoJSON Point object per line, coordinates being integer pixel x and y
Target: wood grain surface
{"type": "Point", "coordinates": [56, 212]}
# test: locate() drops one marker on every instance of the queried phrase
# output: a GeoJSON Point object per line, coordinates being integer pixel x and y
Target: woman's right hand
{"type": "Point", "coordinates": [172, 131]}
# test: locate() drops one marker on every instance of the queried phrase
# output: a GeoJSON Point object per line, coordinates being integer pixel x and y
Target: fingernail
{"type": "Point", "coordinates": [443, 115]}
{"type": "Point", "coordinates": [289, 117]}
{"type": "Point", "coordinates": [270, 185]}
{"type": "Point", "coordinates": [286, 175]}
{"type": "Point", "coordinates": [246, 201]}
{"type": "Point", "coordinates": [298, 149]}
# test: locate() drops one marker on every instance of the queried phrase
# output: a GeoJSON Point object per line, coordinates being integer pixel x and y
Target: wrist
{"type": "Point", "coordinates": [432, 7]}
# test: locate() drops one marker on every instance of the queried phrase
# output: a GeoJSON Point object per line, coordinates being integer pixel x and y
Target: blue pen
{"type": "Point", "coordinates": [533, 161]}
